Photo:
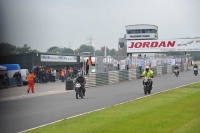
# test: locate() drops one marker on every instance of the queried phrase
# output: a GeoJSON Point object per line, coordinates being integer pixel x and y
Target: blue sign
{"type": "Point", "coordinates": [141, 63]}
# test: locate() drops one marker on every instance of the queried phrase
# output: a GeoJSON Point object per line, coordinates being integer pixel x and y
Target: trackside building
{"type": "Point", "coordinates": [49, 60]}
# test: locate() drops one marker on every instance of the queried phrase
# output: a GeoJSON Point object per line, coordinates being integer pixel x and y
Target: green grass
{"type": "Point", "coordinates": [174, 111]}
{"type": "Point", "coordinates": [198, 63]}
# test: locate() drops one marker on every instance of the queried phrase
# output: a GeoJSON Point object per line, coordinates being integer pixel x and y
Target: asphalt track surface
{"type": "Point", "coordinates": [20, 111]}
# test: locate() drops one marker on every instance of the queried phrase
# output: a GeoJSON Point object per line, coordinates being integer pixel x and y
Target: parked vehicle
{"type": "Point", "coordinates": [24, 74]}
{"type": "Point", "coordinates": [147, 85]}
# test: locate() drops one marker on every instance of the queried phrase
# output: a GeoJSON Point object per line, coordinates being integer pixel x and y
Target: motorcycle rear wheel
{"type": "Point", "coordinates": [76, 95]}
{"type": "Point", "coordinates": [145, 89]}
{"type": "Point", "coordinates": [149, 91]}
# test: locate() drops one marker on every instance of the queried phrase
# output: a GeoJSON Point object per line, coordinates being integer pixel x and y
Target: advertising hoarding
{"type": "Point", "coordinates": [163, 45]}
{"type": "Point", "coordinates": [58, 58]}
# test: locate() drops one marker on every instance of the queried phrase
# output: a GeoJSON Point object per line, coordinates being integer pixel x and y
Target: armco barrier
{"type": "Point", "coordinates": [169, 69]}
{"type": "Point", "coordinates": [164, 69]}
{"type": "Point", "coordinates": [159, 70]}
{"type": "Point", "coordinates": [112, 77]}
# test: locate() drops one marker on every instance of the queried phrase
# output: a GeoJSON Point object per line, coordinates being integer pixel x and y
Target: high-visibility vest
{"type": "Point", "coordinates": [30, 77]}
{"type": "Point", "coordinates": [89, 62]}
{"type": "Point", "coordinates": [62, 73]}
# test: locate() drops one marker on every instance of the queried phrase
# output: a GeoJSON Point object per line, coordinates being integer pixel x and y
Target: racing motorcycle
{"type": "Point", "coordinates": [78, 90]}
{"type": "Point", "coordinates": [176, 72]}
{"type": "Point", "coordinates": [147, 85]}
{"type": "Point", "coordinates": [195, 71]}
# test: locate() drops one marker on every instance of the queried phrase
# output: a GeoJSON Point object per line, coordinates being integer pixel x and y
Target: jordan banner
{"type": "Point", "coordinates": [135, 46]}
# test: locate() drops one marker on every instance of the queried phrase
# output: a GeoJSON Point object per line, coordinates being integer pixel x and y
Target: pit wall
{"type": "Point", "coordinates": [113, 77]}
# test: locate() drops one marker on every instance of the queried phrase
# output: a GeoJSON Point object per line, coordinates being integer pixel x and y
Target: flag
{"type": "Point", "coordinates": [105, 52]}
{"type": "Point", "coordinates": [93, 45]}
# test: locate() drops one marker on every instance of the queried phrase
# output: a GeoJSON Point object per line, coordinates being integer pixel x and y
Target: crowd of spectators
{"type": "Point", "coordinates": [44, 75]}
{"type": "Point", "coordinates": [4, 81]}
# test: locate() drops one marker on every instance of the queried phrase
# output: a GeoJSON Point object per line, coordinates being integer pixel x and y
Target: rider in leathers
{"type": "Point", "coordinates": [80, 79]}
{"type": "Point", "coordinates": [149, 73]}
{"type": "Point", "coordinates": [195, 66]}
{"type": "Point", "coordinates": [176, 67]}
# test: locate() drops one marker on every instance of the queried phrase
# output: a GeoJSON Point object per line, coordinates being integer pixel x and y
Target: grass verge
{"type": "Point", "coordinates": [174, 111]}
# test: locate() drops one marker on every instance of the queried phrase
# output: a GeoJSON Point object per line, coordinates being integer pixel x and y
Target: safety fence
{"type": "Point", "coordinates": [112, 77]}
{"type": "Point", "coordinates": [115, 63]}
{"type": "Point", "coordinates": [10, 82]}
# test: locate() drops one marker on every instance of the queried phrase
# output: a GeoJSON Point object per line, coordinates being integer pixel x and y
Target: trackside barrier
{"type": "Point", "coordinates": [11, 82]}
{"type": "Point", "coordinates": [112, 77]}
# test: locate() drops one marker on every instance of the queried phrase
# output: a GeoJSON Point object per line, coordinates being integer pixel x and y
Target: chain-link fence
{"type": "Point", "coordinates": [102, 64]}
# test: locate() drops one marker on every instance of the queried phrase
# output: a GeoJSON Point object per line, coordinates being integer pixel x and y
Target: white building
{"type": "Point", "coordinates": [141, 32]}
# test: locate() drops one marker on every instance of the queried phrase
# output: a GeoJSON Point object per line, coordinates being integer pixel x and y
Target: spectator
{"type": "Point", "coordinates": [62, 74]}
{"type": "Point", "coordinates": [1, 81]}
{"type": "Point", "coordinates": [127, 67]}
{"type": "Point", "coordinates": [88, 63]}
{"type": "Point", "coordinates": [40, 76]}
{"type": "Point", "coordinates": [118, 67]}
{"type": "Point", "coordinates": [19, 76]}
{"type": "Point", "coordinates": [75, 71]}
{"type": "Point", "coordinates": [6, 80]}
{"type": "Point", "coordinates": [53, 72]}
{"type": "Point", "coordinates": [44, 76]}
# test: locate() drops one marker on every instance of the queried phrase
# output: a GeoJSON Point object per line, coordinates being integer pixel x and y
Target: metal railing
{"type": "Point", "coordinates": [112, 77]}
{"type": "Point", "coordinates": [10, 82]}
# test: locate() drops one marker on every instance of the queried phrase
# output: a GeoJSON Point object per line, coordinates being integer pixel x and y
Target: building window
{"type": "Point", "coordinates": [143, 31]}
{"type": "Point", "coordinates": [150, 30]}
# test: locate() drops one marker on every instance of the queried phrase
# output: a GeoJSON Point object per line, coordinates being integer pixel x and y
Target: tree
{"type": "Point", "coordinates": [53, 49]}
{"type": "Point", "coordinates": [24, 49]}
{"type": "Point", "coordinates": [99, 53]}
{"type": "Point", "coordinates": [85, 48]}
{"type": "Point", "coordinates": [67, 50]}
{"type": "Point", "coordinates": [6, 48]}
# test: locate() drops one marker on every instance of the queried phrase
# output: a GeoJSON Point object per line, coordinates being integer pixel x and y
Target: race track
{"type": "Point", "coordinates": [22, 111]}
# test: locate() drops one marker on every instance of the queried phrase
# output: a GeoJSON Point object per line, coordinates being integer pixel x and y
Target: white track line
{"type": "Point", "coordinates": [106, 107]}
{"type": "Point", "coordinates": [32, 95]}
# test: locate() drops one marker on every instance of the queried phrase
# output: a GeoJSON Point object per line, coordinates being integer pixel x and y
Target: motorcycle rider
{"type": "Point", "coordinates": [195, 66]}
{"type": "Point", "coordinates": [176, 67]}
{"type": "Point", "coordinates": [149, 73]}
{"type": "Point", "coordinates": [81, 80]}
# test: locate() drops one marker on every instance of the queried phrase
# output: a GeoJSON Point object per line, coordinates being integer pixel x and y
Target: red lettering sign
{"type": "Point", "coordinates": [152, 44]}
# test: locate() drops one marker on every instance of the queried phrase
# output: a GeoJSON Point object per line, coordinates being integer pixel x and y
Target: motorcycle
{"type": "Point", "coordinates": [78, 90]}
{"type": "Point", "coordinates": [195, 71]}
{"type": "Point", "coordinates": [147, 85]}
{"type": "Point", "coordinates": [176, 72]}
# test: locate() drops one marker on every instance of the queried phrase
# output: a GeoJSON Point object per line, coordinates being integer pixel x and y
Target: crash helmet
{"type": "Point", "coordinates": [147, 68]}
{"type": "Point", "coordinates": [79, 74]}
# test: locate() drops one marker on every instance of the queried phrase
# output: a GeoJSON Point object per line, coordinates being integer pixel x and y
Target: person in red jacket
{"type": "Point", "coordinates": [30, 78]}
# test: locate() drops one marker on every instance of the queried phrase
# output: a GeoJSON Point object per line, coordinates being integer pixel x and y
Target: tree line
{"type": "Point", "coordinates": [7, 48]}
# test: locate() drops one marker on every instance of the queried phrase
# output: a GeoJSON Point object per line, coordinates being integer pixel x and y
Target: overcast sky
{"type": "Point", "coordinates": [69, 23]}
